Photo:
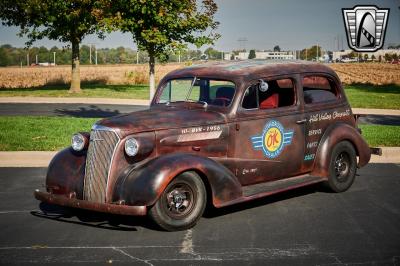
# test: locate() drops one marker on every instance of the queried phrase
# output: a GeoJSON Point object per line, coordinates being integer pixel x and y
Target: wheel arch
{"type": "Point", "coordinates": [144, 185]}
{"type": "Point", "coordinates": [334, 134]}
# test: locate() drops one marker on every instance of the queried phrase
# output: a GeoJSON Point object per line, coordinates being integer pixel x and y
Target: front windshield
{"type": "Point", "coordinates": [201, 90]}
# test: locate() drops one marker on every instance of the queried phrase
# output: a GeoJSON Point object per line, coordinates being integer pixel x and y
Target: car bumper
{"type": "Point", "coordinates": [88, 205]}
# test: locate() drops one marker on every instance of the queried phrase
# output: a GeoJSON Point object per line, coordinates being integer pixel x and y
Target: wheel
{"type": "Point", "coordinates": [342, 167]}
{"type": "Point", "coordinates": [181, 204]}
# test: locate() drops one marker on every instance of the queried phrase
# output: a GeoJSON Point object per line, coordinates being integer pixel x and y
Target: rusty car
{"type": "Point", "coordinates": [218, 134]}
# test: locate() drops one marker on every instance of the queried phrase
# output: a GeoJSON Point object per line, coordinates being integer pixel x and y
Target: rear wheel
{"type": "Point", "coordinates": [181, 204]}
{"type": "Point", "coordinates": [342, 167]}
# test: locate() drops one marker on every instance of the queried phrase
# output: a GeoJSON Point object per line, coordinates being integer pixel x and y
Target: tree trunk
{"type": "Point", "coordinates": [152, 76]}
{"type": "Point", "coordinates": [75, 77]}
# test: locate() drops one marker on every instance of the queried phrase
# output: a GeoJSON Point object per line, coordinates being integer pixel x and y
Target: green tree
{"type": "Point", "coordinates": [366, 57]}
{"type": "Point", "coordinates": [388, 57]}
{"type": "Point", "coordinates": [5, 59]}
{"type": "Point", "coordinates": [252, 54]}
{"type": "Point", "coordinates": [66, 21]}
{"type": "Point", "coordinates": [212, 53]}
{"type": "Point", "coordinates": [373, 57]}
{"type": "Point", "coordinates": [159, 26]}
{"type": "Point", "coordinates": [277, 48]}
{"type": "Point", "coordinates": [310, 53]}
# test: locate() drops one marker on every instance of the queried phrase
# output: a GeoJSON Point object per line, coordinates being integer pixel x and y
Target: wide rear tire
{"type": "Point", "coordinates": [342, 167]}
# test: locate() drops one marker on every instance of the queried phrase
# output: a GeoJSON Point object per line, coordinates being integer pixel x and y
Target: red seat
{"type": "Point", "coordinates": [271, 102]}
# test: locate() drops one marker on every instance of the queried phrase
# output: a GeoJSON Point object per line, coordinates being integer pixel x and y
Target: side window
{"type": "Point", "coordinates": [280, 93]}
{"type": "Point", "coordinates": [318, 89]}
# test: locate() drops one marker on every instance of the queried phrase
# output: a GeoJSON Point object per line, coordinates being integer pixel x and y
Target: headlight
{"type": "Point", "coordinates": [78, 142]}
{"type": "Point", "coordinates": [131, 147]}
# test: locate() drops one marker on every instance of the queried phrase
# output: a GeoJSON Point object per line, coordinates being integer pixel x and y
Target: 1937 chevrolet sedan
{"type": "Point", "coordinates": [218, 133]}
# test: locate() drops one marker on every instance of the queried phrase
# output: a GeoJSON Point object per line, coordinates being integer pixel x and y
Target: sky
{"type": "Point", "coordinates": [291, 24]}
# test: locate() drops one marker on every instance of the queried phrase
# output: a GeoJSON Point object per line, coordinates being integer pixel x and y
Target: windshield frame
{"type": "Point", "coordinates": [164, 83]}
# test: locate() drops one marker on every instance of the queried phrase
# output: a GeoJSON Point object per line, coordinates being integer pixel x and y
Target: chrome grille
{"type": "Point", "coordinates": [103, 143]}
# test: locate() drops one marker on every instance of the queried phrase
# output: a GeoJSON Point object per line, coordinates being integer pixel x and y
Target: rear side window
{"type": "Point", "coordinates": [318, 89]}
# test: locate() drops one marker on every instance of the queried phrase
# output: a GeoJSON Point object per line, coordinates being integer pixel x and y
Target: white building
{"type": "Point", "coordinates": [287, 55]}
{"type": "Point", "coordinates": [339, 54]}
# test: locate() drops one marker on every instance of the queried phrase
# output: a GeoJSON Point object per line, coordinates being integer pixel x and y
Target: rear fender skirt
{"type": "Point", "coordinates": [144, 185]}
{"type": "Point", "coordinates": [65, 173]}
{"type": "Point", "coordinates": [333, 135]}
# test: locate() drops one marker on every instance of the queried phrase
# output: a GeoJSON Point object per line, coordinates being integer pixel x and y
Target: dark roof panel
{"type": "Point", "coordinates": [249, 68]}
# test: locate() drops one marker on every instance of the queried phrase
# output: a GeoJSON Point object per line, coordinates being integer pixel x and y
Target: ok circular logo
{"type": "Point", "coordinates": [272, 133]}
{"type": "Point", "coordinates": [273, 139]}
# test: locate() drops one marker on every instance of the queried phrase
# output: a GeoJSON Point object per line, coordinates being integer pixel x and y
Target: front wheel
{"type": "Point", "coordinates": [181, 204]}
{"type": "Point", "coordinates": [342, 167]}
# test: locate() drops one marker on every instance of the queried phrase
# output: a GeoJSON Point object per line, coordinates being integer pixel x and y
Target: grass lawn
{"type": "Point", "coordinates": [34, 133]}
{"type": "Point", "coordinates": [88, 90]}
{"type": "Point", "coordinates": [378, 135]}
{"type": "Point", "coordinates": [373, 96]}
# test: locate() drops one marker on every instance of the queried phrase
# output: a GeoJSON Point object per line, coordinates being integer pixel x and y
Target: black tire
{"type": "Point", "coordinates": [342, 167]}
{"type": "Point", "coordinates": [181, 204]}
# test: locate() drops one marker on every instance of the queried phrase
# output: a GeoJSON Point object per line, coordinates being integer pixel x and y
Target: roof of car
{"type": "Point", "coordinates": [250, 69]}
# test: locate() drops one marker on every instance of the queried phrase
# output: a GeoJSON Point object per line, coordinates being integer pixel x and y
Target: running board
{"type": "Point", "coordinates": [279, 185]}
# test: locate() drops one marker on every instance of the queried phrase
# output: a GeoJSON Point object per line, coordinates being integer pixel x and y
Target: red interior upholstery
{"type": "Point", "coordinates": [271, 102]}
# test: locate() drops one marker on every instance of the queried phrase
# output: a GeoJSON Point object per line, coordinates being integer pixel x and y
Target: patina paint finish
{"type": "Point", "coordinates": [225, 146]}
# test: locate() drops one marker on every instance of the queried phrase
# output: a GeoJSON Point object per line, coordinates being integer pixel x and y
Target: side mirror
{"type": "Point", "coordinates": [263, 86]}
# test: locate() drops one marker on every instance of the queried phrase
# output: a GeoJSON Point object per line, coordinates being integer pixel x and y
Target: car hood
{"type": "Point", "coordinates": [161, 118]}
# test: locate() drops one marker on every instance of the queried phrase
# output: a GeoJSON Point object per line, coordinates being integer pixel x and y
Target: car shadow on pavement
{"type": "Point", "coordinates": [212, 212]}
{"type": "Point", "coordinates": [127, 223]}
{"type": "Point", "coordinates": [93, 219]}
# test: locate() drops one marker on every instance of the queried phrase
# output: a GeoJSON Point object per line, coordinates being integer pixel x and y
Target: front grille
{"type": "Point", "coordinates": [99, 158]}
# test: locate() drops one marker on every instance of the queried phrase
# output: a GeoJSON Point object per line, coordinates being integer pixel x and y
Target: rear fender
{"type": "Point", "coordinates": [66, 172]}
{"type": "Point", "coordinates": [333, 135]}
{"type": "Point", "coordinates": [144, 184]}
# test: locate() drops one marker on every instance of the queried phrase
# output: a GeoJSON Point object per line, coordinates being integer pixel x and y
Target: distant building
{"type": "Point", "coordinates": [338, 55]}
{"type": "Point", "coordinates": [268, 55]}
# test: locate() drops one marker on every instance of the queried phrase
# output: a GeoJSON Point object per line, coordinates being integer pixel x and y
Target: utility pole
{"type": "Point", "coordinates": [37, 59]}
{"type": "Point", "coordinates": [317, 53]}
{"type": "Point", "coordinates": [306, 54]}
{"type": "Point", "coordinates": [27, 59]}
{"type": "Point", "coordinates": [242, 42]}
{"type": "Point", "coordinates": [54, 58]}
{"type": "Point", "coordinates": [179, 56]}
{"type": "Point", "coordinates": [95, 53]}
{"type": "Point", "coordinates": [90, 51]}
{"type": "Point", "coordinates": [137, 57]}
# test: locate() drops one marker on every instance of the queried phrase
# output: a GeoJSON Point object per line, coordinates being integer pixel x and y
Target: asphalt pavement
{"type": "Point", "coordinates": [67, 109]}
{"type": "Point", "coordinates": [307, 226]}
{"type": "Point", "coordinates": [108, 110]}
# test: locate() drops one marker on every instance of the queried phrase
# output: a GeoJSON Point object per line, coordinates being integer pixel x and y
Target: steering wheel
{"type": "Point", "coordinates": [223, 100]}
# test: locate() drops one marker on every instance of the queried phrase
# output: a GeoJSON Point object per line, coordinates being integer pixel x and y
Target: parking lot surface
{"type": "Point", "coordinates": [307, 226]}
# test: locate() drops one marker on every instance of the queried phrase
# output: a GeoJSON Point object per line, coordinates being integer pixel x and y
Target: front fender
{"type": "Point", "coordinates": [66, 172]}
{"type": "Point", "coordinates": [144, 185]}
{"type": "Point", "coordinates": [333, 135]}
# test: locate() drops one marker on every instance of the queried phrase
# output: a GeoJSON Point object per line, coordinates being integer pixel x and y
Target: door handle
{"type": "Point", "coordinates": [302, 121]}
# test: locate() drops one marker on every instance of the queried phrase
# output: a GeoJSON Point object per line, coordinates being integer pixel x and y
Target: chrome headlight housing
{"type": "Point", "coordinates": [78, 142]}
{"type": "Point", "coordinates": [131, 147]}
